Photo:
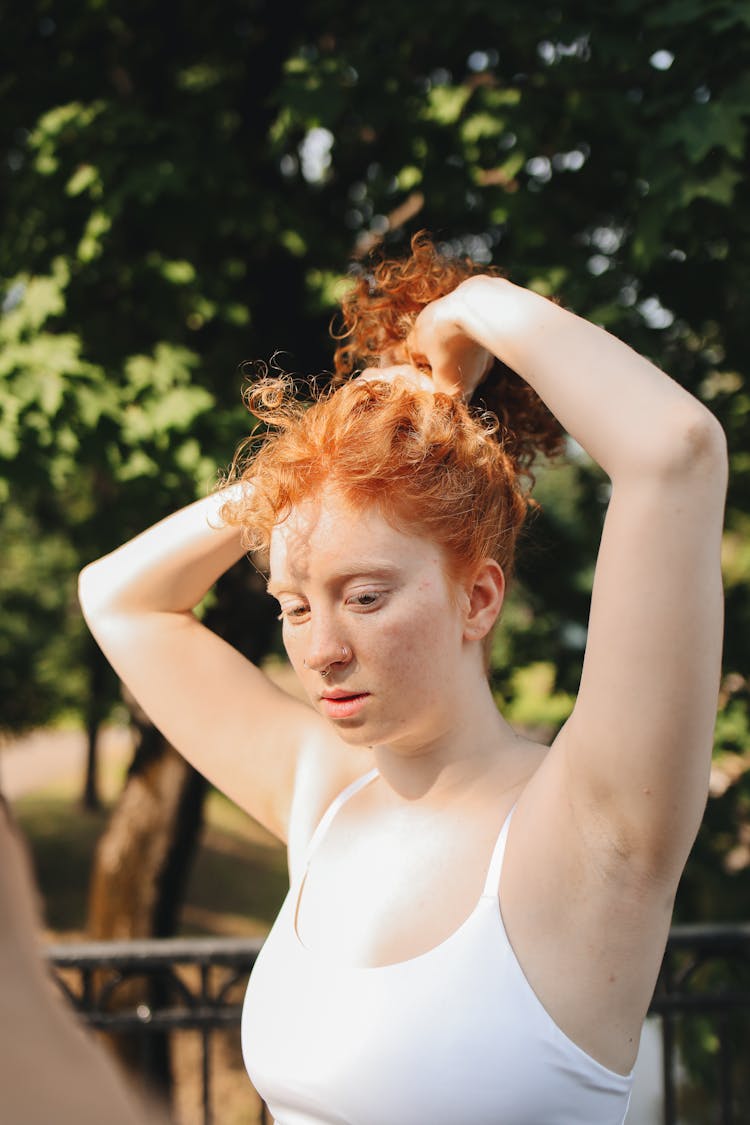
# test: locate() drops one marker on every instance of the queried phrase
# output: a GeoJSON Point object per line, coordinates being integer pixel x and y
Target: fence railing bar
{"type": "Point", "coordinates": [725, 1071]}
{"type": "Point", "coordinates": [205, 1053]}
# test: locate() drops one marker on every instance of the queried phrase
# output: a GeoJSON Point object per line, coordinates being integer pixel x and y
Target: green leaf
{"type": "Point", "coordinates": [179, 408]}
{"type": "Point", "coordinates": [169, 365]}
{"type": "Point", "coordinates": [97, 226]}
{"type": "Point", "coordinates": [481, 126]}
{"type": "Point", "coordinates": [701, 128]}
{"type": "Point", "coordinates": [85, 177]}
{"type": "Point", "coordinates": [327, 288]}
{"type": "Point", "coordinates": [178, 272]}
{"type": "Point", "coordinates": [445, 104]}
{"type": "Point", "coordinates": [293, 241]}
{"type": "Point", "coordinates": [534, 701]}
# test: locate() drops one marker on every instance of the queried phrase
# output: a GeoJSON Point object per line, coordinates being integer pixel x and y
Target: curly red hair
{"type": "Point", "coordinates": [429, 464]}
{"type": "Point", "coordinates": [377, 315]}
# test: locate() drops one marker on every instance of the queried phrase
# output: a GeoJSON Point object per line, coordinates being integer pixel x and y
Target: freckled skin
{"type": "Point", "coordinates": [408, 649]}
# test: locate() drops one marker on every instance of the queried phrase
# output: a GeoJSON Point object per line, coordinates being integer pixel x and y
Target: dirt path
{"type": "Point", "coordinates": [45, 756]}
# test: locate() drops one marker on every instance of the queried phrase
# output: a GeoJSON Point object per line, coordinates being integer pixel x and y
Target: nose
{"type": "Point", "coordinates": [325, 649]}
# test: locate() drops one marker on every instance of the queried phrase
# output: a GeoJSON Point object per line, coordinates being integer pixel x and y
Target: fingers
{"type": "Point", "coordinates": [448, 382]}
{"type": "Point", "coordinates": [405, 371]}
{"type": "Point", "coordinates": [437, 342]}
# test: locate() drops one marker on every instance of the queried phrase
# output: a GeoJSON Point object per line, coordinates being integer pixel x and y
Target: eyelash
{"type": "Point", "coordinates": [296, 611]}
{"type": "Point", "coordinates": [357, 598]}
{"type": "Point", "coordinates": [291, 613]}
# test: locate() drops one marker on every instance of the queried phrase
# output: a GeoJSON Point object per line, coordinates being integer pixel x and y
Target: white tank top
{"type": "Point", "coordinates": [454, 1036]}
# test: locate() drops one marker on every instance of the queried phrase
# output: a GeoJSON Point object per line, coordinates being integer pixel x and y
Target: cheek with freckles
{"type": "Point", "coordinates": [416, 646]}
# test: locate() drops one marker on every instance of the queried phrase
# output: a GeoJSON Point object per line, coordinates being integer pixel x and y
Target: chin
{"type": "Point", "coordinates": [352, 734]}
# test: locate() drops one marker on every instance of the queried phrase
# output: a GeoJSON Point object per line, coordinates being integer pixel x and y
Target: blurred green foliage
{"type": "Point", "coordinates": [183, 193]}
{"type": "Point", "coordinates": [184, 189]}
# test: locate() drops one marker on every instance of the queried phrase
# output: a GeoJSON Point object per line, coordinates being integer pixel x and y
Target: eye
{"type": "Point", "coordinates": [294, 613]}
{"type": "Point", "coordinates": [364, 600]}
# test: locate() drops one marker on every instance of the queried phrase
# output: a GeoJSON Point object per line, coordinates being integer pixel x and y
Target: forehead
{"type": "Point", "coordinates": [326, 536]}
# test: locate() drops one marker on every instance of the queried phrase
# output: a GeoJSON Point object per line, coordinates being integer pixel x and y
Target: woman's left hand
{"type": "Point", "coordinates": [457, 363]}
{"type": "Point", "coordinates": [406, 372]}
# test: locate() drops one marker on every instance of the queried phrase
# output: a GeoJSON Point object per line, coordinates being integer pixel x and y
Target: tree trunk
{"type": "Point", "coordinates": [96, 708]}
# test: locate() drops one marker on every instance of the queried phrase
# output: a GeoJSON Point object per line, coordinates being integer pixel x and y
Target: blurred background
{"type": "Point", "coordinates": [184, 191]}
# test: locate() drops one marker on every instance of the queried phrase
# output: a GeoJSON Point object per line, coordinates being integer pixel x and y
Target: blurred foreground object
{"type": "Point", "coordinates": [50, 1070]}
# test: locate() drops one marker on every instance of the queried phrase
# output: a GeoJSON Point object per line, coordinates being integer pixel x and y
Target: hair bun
{"type": "Point", "coordinates": [379, 311]}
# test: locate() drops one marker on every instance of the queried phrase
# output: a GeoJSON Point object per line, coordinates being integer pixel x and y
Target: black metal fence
{"type": "Point", "coordinates": [149, 987]}
{"type": "Point", "coordinates": [702, 997]}
{"type": "Point", "coordinates": [144, 988]}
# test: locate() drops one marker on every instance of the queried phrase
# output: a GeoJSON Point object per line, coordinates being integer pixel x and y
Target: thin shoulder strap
{"type": "Point", "coordinates": [492, 884]}
{"type": "Point", "coordinates": [334, 807]}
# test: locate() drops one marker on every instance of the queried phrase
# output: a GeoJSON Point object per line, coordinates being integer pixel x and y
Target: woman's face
{"type": "Point", "coordinates": [372, 624]}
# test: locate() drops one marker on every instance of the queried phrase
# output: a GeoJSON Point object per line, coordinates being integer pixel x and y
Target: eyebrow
{"type": "Point", "coordinates": [357, 570]}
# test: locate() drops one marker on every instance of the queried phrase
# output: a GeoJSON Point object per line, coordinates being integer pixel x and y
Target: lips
{"type": "Point", "coordinates": [338, 704]}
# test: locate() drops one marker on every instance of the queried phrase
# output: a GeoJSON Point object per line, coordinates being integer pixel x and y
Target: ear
{"type": "Point", "coordinates": [485, 593]}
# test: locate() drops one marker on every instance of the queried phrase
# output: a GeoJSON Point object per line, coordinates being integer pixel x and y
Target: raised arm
{"type": "Point", "coordinates": [213, 705]}
{"type": "Point", "coordinates": [637, 747]}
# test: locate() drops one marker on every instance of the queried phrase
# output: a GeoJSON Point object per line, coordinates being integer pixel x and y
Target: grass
{"type": "Point", "coordinates": [61, 838]}
{"type": "Point", "coordinates": [239, 877]}
{"type": "Point", "coordinates": [237, 882]}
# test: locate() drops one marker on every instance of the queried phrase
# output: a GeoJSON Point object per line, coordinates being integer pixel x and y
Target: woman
{"type": "Point", "coordinates": [421, 971]}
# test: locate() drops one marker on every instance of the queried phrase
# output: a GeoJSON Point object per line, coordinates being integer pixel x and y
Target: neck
{"type": "Point", "coordinates": [457, 759]}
